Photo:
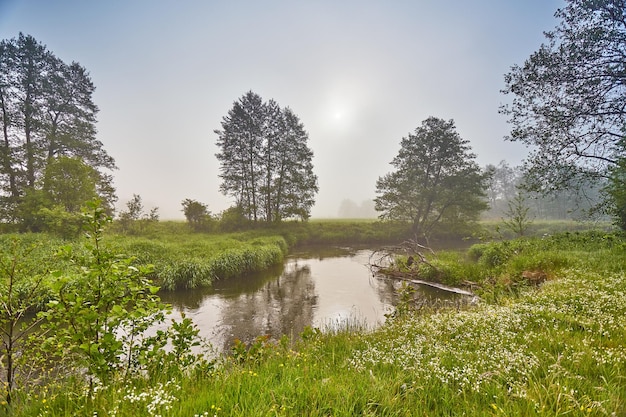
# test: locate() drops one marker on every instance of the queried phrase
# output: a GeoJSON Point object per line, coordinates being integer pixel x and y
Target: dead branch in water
{"type": "Point", "coordinates": [384, 260]}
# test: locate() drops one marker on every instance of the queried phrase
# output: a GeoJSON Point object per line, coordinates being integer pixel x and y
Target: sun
{"type": "Point", "coordinates": [338, 112]}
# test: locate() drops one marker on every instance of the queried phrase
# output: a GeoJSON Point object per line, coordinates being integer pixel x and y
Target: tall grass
{"type": "Point", "coordinates": [181, 260]}
{"type": "Point", "coordinates": [195, 260]}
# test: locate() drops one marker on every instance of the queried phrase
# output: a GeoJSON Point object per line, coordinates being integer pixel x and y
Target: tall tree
{"type": "Point", "coordinates": [502, 185]}
{"type": "Point", "coordinates": [266, 164]}
{"type": "Point", "coordinates": [436, 180]}
{"type": "Point", "coordinates": [46, 112]}
{"type": "Point", "coordinates": [294, 184]}
{"type": "Point", "coordinates": [240, 143]}
{"type": "Point", "coordinates": [569, 97]}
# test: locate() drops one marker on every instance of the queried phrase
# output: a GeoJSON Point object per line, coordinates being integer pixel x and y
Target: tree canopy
{"type": "Point", "coordinates": [46, 112]}
{"type": "Point", "coordinates": [436, 181]}
{"type": "Point", "coordinates": [266, 164]}
{"type": "Point", "coordinates": [569, 97]}
{"type": "Point", "coordinates": [197, 214]}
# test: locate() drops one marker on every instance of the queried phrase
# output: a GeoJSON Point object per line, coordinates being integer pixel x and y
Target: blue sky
{"type": "Point", "coordinates": [359, 74]}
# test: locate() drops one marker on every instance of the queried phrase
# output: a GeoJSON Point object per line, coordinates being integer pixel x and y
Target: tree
{"type": "Point", "coordinates": [55, 204]}
{"type": "Point", "coordinates": [265, 162]}
{"type": "Point", "coordinates": [348, 209]}
{"type": "Point", "coordinates": [46, 112]}
{"type": "Point", "coordinates": [516, 217]}
{"type": "Point", "coordinates": [197, 214]}
{"type": "Point", "coordinates": [70, 183]}
{"type": "Point", "coordinates": [569, 99]}
{"type": "Point", "coordinates": [134, 215]}
{"type": "Point", "coordinates": [101, 314]}
{"type": "Point", "coordinates": [616, 190]}
{"type": "Point", "coordinates": [436, 181]}
{"type": "Point", "coordinates": [502, 184]}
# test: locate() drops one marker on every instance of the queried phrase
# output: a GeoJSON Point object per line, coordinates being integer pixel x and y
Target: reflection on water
{"type": "Point", "coordinates": [313, 288]}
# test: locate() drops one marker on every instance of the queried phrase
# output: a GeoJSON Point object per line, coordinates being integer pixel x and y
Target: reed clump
{"type": "Point", "coordinates": [197, 260]}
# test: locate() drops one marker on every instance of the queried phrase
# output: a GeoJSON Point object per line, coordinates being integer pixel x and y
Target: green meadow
{"type": "Point", "coordinates": [555, 346]}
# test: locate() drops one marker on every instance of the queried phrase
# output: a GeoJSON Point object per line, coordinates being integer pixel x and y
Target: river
{"type": "Point", "coordinates": [317, 287]}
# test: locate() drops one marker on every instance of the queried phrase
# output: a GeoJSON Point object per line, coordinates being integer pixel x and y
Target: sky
{"type": "Point", "coordinates": [360, 75]}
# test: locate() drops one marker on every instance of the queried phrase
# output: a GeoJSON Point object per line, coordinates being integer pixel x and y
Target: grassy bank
{"type": "Point", "coordinates": [194, 260]}
{"type": "Point", "coordinates": [553, 349]}
{"type": "Point", "coordinates": [184, 259]}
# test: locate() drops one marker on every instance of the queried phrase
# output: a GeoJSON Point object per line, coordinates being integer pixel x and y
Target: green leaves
{"type": "Point", "coordinates": [568, 99]}
{"type": "Point", "coordinates": [102, 313]}
{"type": "Point", "coordinates": [21, 291]}
{"type": "Point", "coordinates": [51, 158]}
{"type": "Point", "coordinates": [436, 180]}
{"type": "Point", "coordinates": [266, 163]}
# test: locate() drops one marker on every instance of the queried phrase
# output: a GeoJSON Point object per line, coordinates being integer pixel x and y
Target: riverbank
{"type": "Point", "coordinates": [184, 259]}
{"type": "Point", "coordinates": [557, 348]}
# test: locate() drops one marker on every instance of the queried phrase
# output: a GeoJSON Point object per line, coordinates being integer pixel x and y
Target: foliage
{"type": "Point", "coordinates": [348, 209]}
{"type": "Point", "coordinates": [134, 220]}
{"type": "Point", "coordinates": [22, 291]}
{"type": "Point", "coordinates": [552, 350]}
{"type": "Point", "coordinates": [255, 352]}
{"type": "Point", "coordinates": [436, 180]}
{"type": "Point", "coordinates": [502, 184]}
{"type": "Point", "coordinates": [577, 202]}
{"type": "Point", "coordinates": [46, 112]}
{"type": "Point", "coordinates": [192, 260]}
{"type": "Point", "coordinates": [68, 184]}
{"type": "Point", "coordinates": [568, 97]}
{"type": "Point", "coordinates": [233, 219]}
{"type": "Point", "coordinates": [516, 217]}
{"type": "Point", "coordinates": [198, 216]}
{"type": "Point", "coordinates": [616, 190]}
{"type": "Point", "coordinates": [101, 311]}
{"type": "Point", "coordinates": [265, 162]}
{"type": "Point", "coordinates": [538, 228]}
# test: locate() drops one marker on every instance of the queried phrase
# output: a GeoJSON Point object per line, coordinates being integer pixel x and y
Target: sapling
{"type": "Point", "coordinates": [101, 311]}
{"type": "Point", "coordinates": [517, 218]}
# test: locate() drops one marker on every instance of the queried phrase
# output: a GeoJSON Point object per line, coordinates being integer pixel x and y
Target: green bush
{"type": "Point", "coordinates": [495, 255]}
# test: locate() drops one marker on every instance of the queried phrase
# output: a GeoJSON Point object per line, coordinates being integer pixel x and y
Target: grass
{"type": "Point", "coordinates": [183, 259]}
{"type": "Point", "coordinates": [558, 349]}
{"type": "Point", "coordinates": [496, 229]}
{"type": "Point", "coordinates": [194, 260]}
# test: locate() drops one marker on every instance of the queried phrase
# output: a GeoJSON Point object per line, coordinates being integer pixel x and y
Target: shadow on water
{"type": "Point", "coordinates": [316, 287]}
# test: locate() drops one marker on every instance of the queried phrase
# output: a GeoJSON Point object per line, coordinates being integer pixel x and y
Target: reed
{"type": "Point", "coordinates": [193, 260]}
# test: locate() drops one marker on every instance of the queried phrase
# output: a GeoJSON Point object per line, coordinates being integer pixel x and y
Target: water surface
{"type": "Point", "coordinates": [318, 287]}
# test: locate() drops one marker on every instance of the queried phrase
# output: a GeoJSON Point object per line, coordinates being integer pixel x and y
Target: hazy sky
{"type": "Point", "coordinates": [359, 74]}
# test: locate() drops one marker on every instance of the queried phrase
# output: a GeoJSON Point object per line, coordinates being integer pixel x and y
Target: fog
{"type": "Point", "coordinates": [359, 74]}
